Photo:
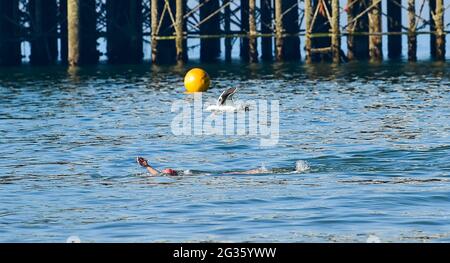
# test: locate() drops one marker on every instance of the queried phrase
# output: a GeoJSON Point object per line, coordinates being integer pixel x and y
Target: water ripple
{"type": "Point", "coordinates": [363, 150]}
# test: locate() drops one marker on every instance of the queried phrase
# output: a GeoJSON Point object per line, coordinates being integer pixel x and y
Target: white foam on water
{"type": "Point", "coordinates": [221, 108]}
{"type": "Point", "coordinates": [373, 239]}
{"type": "Point", "coordinates": [263, 168]}
{"type": "Point", "coordinates": [229, 107]}
{"type": "Point", "coordinates": [301, 166]}
{"type": "Point", "coordinates": [187, 172]}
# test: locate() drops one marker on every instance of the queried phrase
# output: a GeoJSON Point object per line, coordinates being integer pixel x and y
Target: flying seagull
{"type": "Point", "coordinates": [226, 94]}
{"type": "Point", "coordinates": [222, 102]}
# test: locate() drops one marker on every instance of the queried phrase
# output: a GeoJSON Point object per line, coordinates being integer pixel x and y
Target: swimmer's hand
{"type": "Point", "coordinates": [142, 161]}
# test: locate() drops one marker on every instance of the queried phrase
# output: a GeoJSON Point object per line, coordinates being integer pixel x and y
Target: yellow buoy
{"type": "Point", "coordinates": [196, 80]}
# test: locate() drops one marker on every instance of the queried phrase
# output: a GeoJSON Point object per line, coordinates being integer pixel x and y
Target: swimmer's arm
{"type": "Point", "coordinates": [144, 163]}
{"type": "Point", "coordinates": [151, 170]}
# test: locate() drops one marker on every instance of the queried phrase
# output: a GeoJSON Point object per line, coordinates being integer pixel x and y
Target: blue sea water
{"type": "Point", "coordinates": [376, 139]}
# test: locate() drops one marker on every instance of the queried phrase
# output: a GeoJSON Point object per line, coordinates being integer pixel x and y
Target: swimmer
{"type": "Point", "coordinates": [144, 163]}
{"type": "Point", "coordinates": [300, 167]}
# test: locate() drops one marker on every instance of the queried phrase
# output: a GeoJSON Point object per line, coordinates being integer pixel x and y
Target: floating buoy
{"type": "Point", "coordinates": [196, 80]}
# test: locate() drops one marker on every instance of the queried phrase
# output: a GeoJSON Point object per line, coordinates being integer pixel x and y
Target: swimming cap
{"type": "Point", "coordinates": [169, 171]}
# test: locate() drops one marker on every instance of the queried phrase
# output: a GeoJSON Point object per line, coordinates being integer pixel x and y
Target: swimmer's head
{"type": "Point", "coordinates": [169, 171]}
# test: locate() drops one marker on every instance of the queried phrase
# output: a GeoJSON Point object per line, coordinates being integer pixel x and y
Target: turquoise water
{"type": "Point", "coordinates": [375, 137]}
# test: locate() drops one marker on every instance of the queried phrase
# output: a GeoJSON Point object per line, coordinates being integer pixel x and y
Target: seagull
{"type": "Point", "coordinates": [228, 93]}
{"type": "Point", "coordinates": [225, 102]}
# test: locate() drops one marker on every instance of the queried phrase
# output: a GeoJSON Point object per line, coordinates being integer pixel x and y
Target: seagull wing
{"type": "Point", "coordinates": [225, 95]}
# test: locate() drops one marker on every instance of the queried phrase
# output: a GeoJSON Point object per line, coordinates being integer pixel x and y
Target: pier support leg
{"type": "Point", "coordinates": [358, 45]}
{"type": "Point", "coordinates": [412, 37]}
{"type": "Point", "coordinates": [9, 33]}
{"type": "Point", "coordinates": [82, 32]}
{"type": "Point", "coordinates": [124, 31]}
{"type": "Point", "coordinates": [179, 31]}
{"type": "Point", "coordinates": [266, 28]}
{"type": "Point", "coordinates": [63, 30]}
{"type": "Point", "coordinates": [163, 51]}
{"type": "Point", "coordinates": [44, 41]}
{"type": "Point", "coordinates": [336, 34]}
{"type": "Point", "coordinates": [209, 47]}
{"type": "Point", "coordinates": [308, 19]}
{"type": "Point", "coordinates": [291, 43]}
{"type": "Point", "coordinates": [253, 50]}
{"type": "Point", "coordinates": [154, 18]}
{"type": "Point", "coordinates": [375, 40]}
{"type": "Point", "coordinates": [394, 24]}
{"type": "Point", "coordinates": [440, 34]}
{"type": "Point", "coordinates": [227, 29]}
{"type": "Point", "coordinates": [279, 31]}
{"type": "Point", "coordinates": [73, 32]}
{"type": "Point", "coordinates": [136, 27]}
{"type": "Point", "coordinates": [432, 7]}
{"type": "Point", "coordinates": [244, 48]}
{"type": "Point", "coordinates": [321, 25]}
{"type": "Point", "coordinates": [350, 29]}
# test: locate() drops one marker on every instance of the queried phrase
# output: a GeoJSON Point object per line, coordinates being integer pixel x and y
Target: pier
{"type": "Point", "coordinates": [68, 31]}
